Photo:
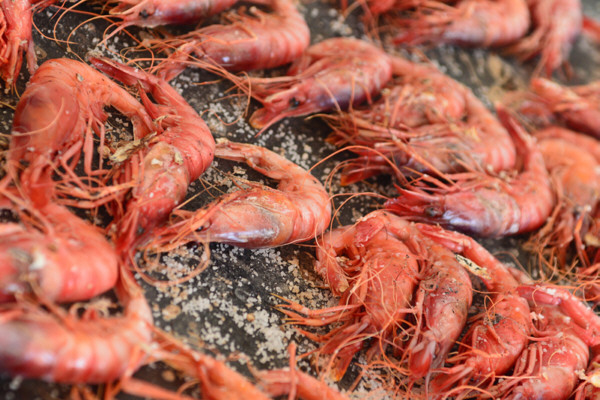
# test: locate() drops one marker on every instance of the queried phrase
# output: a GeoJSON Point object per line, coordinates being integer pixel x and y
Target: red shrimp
{"type": "Point", "coordinates": [67, 259]}
{"type": "Point", "coordinates": [591, 145]}
{"type": "Point", "coordinates": [63, 348]}
{"type": "Point", "coordinates": [260, 41]}
{"type": "Point", "coordinates": [379, 274]}
{"type": "Point", "coordinates": [444, 294]}
{"type": "Point", "coordinates": [151, 13]}
{"type": "Point", "coordinates": [179, 155]}
{"type": "Point", "coordinates": [15, 40]}
{"type": "Point", "coordinates": [576, 174]}
{"type": "Point", "coordinates": [556, 25]}
{"type": "Point", "coordinates": [468, 23]}
{"type": "Point", "coordinates": [578, 107]}
{"type": "Point", "coordinates": [499, 335]}
{"type": "Point", "coordinates": [257, 217]}
{"type": "Point", "coordinates": [372, 264]}
{"type": "Point", "coordinates": [548, 369]}
{"type": "Point", "coordinates": [54, 118]}
{"type": "Point", "coordinates": [485, 205]}
{"type": "Point", "coordinates": [447, 128]}
{"type": "Point", "coordinates": [333, 74]}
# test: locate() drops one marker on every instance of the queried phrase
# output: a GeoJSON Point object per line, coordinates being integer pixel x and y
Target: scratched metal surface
{"type": "Point", "coordinates": [228, 309]}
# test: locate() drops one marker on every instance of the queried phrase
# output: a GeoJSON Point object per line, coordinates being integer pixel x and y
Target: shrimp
{"type": "Point", "coordinates": [499, 335]}
{"type": "Point", "coordinates": [577, 176]}
{"type": "Point", "coordinates": [447, 128]}
{"type": "Point", "coordinates": [67, 260]}
{"type": "Point", "coordinates": [488, 206]}
{"type": "Point", "coordinates": [548, 368]}
{"type": "Point", "coordinates": [257, 217]}
{"type": "Point", "coordinates": [334, 74]}
{"type": "Point", "coordinates": [556, 25]}
{"type": "Point", "coordinates": [379, 276]}
{"type": "Point", "coordinates": [266, 40]}
{"type": "Point", "coordinates": [486, 23]}
{"type": "Point", "coordinates": [444, 294]}
{"type": "Point", "coordinates": [179, 155]}
{"type": "Point", "coordinates": [151, 13]}
{"type": "Point", "coordinates": [373, 264]}
{"type": "Point", "coordinates": [578, 107]}
{"type": "Point", "coordinates": [15, 40]}
{"type": "Point", "coordinates": [62, 348]}
{"type": "Point", "coordinates": [54, 118]}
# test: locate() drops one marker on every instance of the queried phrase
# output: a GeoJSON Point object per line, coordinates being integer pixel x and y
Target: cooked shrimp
{"type": "Point", "coordinates": [556, 24]}
{"type": "Point", "coordinates": [442, 127]}
{"type": "Point", "coordinates": [15, 39]}
{"type": "Point", "coordinates": [485, 23]}
{"type": "Point", "coordinates": [577, 106]}
{"type": "Point", "coordinates": [589, 389]}
{"type": "Point", "coordinates": [373, 264]}
{"type": "Point", "coordinates": [333, 74]}
{"type": "Point", "coordinates": [63, 348]}
{"type": "Point", "coordinates": [263, 40]}
{"type": "Point", "coordinates": [151, 13]}
{"type": "Point", "coordinates": [257, 217]}
{"type": "Point", "coordinates": [576, 174]}
{"type": "Point", "coordinates": [179, 155]}
{"type": "Point", "coordinates": [444, 294]}
{"type": "Point", "coordinates": [488, 206]}
{"type": "Point", "coordinates": [379, 273]}
{"type": "Point", "coordinates": [54, 119]}
{"type": "Point", "coordinates": [548, 369]}
{"type": "Point", "coordinates": [68, 259]}
{"type": "Point", "coordinates": [497, 336]}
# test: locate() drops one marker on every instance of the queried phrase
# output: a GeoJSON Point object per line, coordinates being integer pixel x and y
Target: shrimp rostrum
{"type": "Point", "coordinates": [298, 210]}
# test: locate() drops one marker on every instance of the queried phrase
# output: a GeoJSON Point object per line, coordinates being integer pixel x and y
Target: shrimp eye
{"type": "Point", "coordinates": [294, 103]}
{"type": "Point", "coordinates": [144, 14]}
